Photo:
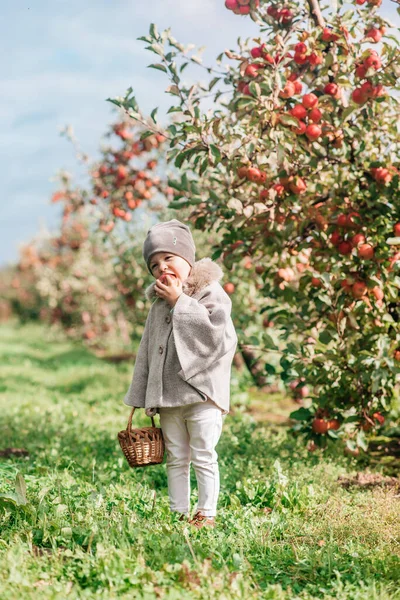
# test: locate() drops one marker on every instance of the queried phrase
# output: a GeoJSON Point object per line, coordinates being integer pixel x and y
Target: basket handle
{"type": "Point", "coordinates": [129, 426]}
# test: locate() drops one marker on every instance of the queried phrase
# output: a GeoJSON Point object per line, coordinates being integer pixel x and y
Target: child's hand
{"type": "Point", "coordinates": [169, 288]}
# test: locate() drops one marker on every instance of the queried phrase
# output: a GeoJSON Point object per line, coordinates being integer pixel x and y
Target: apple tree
{"type": "Point", "coordinates": [296, 167]}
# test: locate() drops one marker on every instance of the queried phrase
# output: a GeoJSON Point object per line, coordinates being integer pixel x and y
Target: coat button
{"type": "Point", "coordinates": [168, 319]}
{"type": "Point", "coordinates": [161, 350]}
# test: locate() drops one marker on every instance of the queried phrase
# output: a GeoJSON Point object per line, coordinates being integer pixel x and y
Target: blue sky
{"type": "Point", "coordinates": [64, 58]}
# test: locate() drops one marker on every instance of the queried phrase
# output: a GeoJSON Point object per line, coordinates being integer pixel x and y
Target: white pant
{"type": "Point", "coordinates": [191, 433]}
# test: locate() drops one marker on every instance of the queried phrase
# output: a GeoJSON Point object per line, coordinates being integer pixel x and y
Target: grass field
{"type": "Point", "coordinates": [88, 526]}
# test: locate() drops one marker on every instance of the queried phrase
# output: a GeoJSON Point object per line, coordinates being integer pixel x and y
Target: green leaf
{"type": "Point", "coordinates": [325, 299]}
{"type": "Point", "coordinates": [361, 440]}
{"type": "Point", "coordinates": [156, 48]}
{"type": "Point", "coordinates": [174, 184]}
{"type": "Point", "coordinates": [20, 489]}
{"type": "Point", "coordinates": [153, 115]}
{"type": "Point", "coordinates": [325, 337]}
{"type": "Point", "coordinates": [115, 101]}
{"type": "Point", "coordinates": [185, 182]}
{"type": "Point", "coordinates": [158, 66]}
{"type": "Point", "coordinates": [289, 120]}
{"type": "Point", "coordinates": [348, 111]}
{"type": "Point", "coordinates": [146, 134]}
{"type": "Point", "coordinates": [216, 153]}
{"type": "Point", "coordinates": [9, 498]}
{"type": "Point", "coordinates": [154, 31]}
{"type": "Point", "coordinates": [255, 89]}
{"type": "Point", "coordinates": [173, 89]}
{"type": "Point", "coordinates": [302, 414]}
{"type": "Point", "coordinates": [213, 83]}
{"type": "Point", "coordinates": [177, 205]}
{"type": "Point", "coordinates": [269, 342]}
{"type": "Point", "coordinates": [204, 166]}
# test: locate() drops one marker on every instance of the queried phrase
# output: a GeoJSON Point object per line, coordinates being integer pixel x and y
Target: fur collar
{"type": "Point", "coordinates": [203, 272]}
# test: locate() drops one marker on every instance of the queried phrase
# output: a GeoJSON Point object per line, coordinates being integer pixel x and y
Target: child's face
{"type": "Point", "coordinates": [166, 262]}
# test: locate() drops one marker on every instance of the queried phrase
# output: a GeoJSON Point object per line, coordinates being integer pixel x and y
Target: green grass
{"type": "Point", "coordinates": [92, 527]}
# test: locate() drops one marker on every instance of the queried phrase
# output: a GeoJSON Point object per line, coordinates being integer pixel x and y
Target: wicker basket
{"type": "Point", "coordinates": [143, 446]}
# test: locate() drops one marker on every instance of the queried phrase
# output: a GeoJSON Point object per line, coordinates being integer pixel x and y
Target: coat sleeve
{"type": "Point", "coordinates": [203, 330]}
{"type": "Point", "coordinates": [136, 393]}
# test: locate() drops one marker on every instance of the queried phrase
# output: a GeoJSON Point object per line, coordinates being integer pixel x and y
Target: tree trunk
{"type": "Point", "coordinates": [315, 12]}
{"type": "Point", "coordinates": [254, 365]}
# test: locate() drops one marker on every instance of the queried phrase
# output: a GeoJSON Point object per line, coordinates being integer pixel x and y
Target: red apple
{"type": "Point", "coordinates": [309, 100]}
{"type": "Point", "coordinates": [328, 35]}
{"type": "Point", "coordinates": [374, 34]}
{"type": "Point", "coordinates": [229, 287]}
{"type": "Point", "coordinates": [336, 238]}
{"type": "Point", "coordinates": [353, 219]}
{"type": "Point", "coordinates": [300, 129]}
{"type": "Point", "coordinates": [272, 11]}
{"type": "Point", "coordinates": [297, 185]}
{"type": "Point", "coordinates": [298, 87]}
{"type": "Point", "coordinates": [279, 188]}
{"type": "Point", "coordinates": [300, 59]}
{"type": "Point", "coordinates": [378, 417]}
{"type": "Point", "coordinates": [315, 59]}
{"type": "Point", "coordinates": [288, 91]}
{"type": "Point", "coordinates": [300, 48]}
{"type": "Point", "coordinates": [242, 172]}
{"type": "Point", "coordinates": [358, 96]}
{"type": "Point", "coordinates": [344, 248]}
{"type": "Point", "coordinates": [377, 292]}
{"type": "Point", "coordinates": [373, 61]}
{"type": "Point", "coordinates": [256, 52]}
{"type": "Point", "coordinates": [252, 70]}
{"type": "Point", "coordinates": [319, 426]}
{"type": "Point", "coordinates": [381, 174]}
{"type": "Point", "coordinates": [285, 15]}
{"type": "Point", "coordinates": [361, 71]}
{"type": "Point", "coordinates": [359, 238]}
{"type": "Point", "coordinates": [342, 220]}
{"type": "Point", "coordinates": [315, 115]}
{"type": "Point", "coordinates": [331, 89]}
{"type": "Point", "coordinates": [298, 111]}
{"type": "Point", "coordinates": [366, 251]}
{"type": "Point", "coordinates": [316, 282]}
{"type": "Point", "coordinates": [367, 89]}
{"type": "Point", "coordinates": [313, 132]}
{"type": "Point", "coordinates": [253, 174]}
{"type": "Point", "coordinates": [359, 289]}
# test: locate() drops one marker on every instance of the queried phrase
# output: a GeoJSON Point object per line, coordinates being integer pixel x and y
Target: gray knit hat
{"type": "Point", "coordinates": [171, 236]}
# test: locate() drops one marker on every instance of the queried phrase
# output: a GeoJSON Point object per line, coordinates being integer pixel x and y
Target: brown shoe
{"type": "Point", "coordinates": [200, 520]}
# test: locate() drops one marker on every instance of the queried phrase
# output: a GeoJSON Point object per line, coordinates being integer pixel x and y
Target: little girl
{"type": "Point", "coordinates": [183, 365]}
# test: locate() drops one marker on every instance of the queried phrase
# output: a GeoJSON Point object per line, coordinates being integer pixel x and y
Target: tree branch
{"type": "Point", "coordinates": [315, 12]}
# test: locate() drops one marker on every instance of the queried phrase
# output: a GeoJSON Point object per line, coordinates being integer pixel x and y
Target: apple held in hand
{"type": "Point", "coordinates": [164, 278]}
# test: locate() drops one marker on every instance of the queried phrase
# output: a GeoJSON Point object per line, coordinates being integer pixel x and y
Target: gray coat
{"type": "Point", "coordinates": [185, 355]}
